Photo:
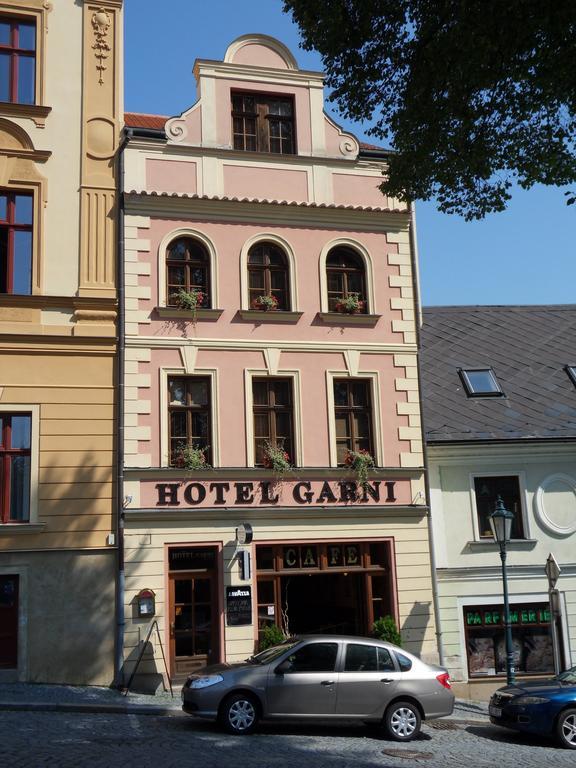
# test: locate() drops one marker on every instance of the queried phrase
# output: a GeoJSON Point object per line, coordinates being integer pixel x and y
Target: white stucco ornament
{"type": "Point", "coordinates": [555, 504]}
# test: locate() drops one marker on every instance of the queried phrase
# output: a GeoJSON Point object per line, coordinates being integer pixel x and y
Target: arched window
{"type": "Point", "coordinates": [345, 278]}
{"type": "Point", "coordinates": [187, 269]}
{"type": "Point", "coordinates": [268, 275]}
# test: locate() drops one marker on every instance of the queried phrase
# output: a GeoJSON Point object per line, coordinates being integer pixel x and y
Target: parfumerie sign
{"type": "Point", "coordinates": [246, 493]}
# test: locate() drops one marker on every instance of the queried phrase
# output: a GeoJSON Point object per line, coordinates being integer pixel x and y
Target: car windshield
{"type": "Point", "coordinates": [273, 652]}
{"type": "Point", "coordinates": [569, 676]}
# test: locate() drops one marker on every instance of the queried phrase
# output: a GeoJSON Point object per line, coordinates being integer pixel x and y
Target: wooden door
{"type": "Point", "coordinates": [194, 639]}
{"type": "Point", "coordinates": [8, 622]}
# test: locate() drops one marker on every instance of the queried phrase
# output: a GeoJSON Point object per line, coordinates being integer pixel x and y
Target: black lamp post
{"type": "Point", "coordinates": [501, 524]}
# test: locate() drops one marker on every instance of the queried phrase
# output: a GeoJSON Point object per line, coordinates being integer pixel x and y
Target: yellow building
{"type": "Point", "coordinates": [59, 131]}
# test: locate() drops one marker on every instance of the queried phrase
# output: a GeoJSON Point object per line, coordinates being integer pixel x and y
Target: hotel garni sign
{"type": "Point", "coordinates": [279, 493]}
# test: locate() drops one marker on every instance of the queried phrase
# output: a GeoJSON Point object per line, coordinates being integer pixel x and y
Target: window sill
{"type": "Point", "coordinates": [272, 316]}
{"type": "Point", "coordinates": [513, 544]}
{"type": "Point", "coordinates": [341, 318]}
{"type": "Point", "coordinates": [188, 314]}
{"type": "Point", "coordinates": [7, 529]}
{"type": "Point", "coordinates": [33, 111]}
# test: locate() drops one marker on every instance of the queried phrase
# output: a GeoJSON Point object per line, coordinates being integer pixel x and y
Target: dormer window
{"type": "Point", "coordinates": [480, 382]}
{"type": "Point", "coordinates": [263, 123]}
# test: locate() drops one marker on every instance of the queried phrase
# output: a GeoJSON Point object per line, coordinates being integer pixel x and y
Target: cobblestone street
{"type": "Point", "coordinates": [70, 740]}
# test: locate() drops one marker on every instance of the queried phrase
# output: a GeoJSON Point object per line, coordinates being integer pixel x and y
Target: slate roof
{"type": "Point", "coordinates": [526, 346]}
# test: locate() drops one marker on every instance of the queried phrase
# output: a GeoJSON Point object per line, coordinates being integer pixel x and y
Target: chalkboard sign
{"type": "Point", "coordinates": [238, 606]}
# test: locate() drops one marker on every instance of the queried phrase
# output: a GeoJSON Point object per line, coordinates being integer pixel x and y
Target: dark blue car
{"type": "Point", "coordinates": [546, 707]}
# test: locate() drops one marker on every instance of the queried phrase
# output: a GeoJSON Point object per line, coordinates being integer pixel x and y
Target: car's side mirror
{"type": "Point", "coordinates": [281, 669]}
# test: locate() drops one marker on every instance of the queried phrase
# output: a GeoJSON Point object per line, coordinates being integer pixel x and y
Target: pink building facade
{"type": "Point", "coordinates": [270, 357]}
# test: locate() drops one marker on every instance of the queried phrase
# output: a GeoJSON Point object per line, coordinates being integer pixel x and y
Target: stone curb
{"type": "Point", "coordinates": [117, 709]}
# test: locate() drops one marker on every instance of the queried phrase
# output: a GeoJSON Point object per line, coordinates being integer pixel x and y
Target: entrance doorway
{"type": "Point", "coordinates": [194, 615]}
{"type": "Point", "coordinates": [8, 622]}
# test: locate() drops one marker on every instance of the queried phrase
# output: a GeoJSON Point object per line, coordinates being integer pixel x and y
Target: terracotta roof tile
{"type": "Point", "coordinates": [142, 120]}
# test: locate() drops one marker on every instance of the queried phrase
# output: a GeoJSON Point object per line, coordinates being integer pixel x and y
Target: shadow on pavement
{"type": "Point", "coordinates": [493, 733]}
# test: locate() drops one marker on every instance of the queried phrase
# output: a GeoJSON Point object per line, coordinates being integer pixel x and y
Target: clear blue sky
{"type": "Point", "coordinates": [526, 255]}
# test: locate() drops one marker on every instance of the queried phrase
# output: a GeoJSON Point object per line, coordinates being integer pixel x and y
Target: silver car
{"type": "Point", "coordinates": [324, 677]}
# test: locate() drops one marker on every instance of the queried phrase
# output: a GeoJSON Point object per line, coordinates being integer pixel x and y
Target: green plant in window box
{"type": "Point", "coordinates": [189, 300]}
{"type": "Point", "coordinates": [192, 457]}
{"type": "Point", "coordinates": [385, 629]}
{"type": "Point", "coordinates": [361, 462]}
{"type": "Point", "coordinates": [351, 304]}
{"type": "Point", "coordinates": [276, 458]}
{"type": "Point", "coordinates": [270, 635]}
{"type": "Point", "coordinates": [265, 303]}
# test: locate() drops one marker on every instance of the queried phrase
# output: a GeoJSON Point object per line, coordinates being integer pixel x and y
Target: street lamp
{"type": "Point", "coordinates": [501, 524]}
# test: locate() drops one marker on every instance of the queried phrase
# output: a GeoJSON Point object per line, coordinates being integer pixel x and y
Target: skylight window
{"type": "Point", "coordinates": [571, 371]}
{"type": "Point", "coordinates": [480, 382]}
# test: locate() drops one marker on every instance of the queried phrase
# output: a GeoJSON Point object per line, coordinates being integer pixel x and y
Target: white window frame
{"type": "Point", "coordinates": [521, 475]}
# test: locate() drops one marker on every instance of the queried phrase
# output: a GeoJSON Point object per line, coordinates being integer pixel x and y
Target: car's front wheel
{"type": "Point", "coordinates": [239, 714]}
{"type": "Point", "coordinates": [402, 721]}
{"type": "Point", "coordinates": [566, 728]}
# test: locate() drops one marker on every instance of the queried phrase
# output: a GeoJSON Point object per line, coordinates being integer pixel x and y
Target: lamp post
{"type": "Point", "coordinates": [501, 524]}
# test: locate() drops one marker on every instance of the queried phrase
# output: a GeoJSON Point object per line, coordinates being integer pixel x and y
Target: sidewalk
{"type": "Point", "coordinates": [68, 698]}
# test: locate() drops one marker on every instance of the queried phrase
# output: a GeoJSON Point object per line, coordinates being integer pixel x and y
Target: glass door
{"type": "Point", "coordinates": [193, 622]}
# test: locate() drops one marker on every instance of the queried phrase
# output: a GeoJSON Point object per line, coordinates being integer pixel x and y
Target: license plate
{"type": "Point", "coordinates": [495, 711]}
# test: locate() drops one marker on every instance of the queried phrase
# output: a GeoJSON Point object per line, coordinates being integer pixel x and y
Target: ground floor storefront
{"type": "Point", "coordinates": [57, 617]}
{"type": "Point", "coordinates": [474, 632]}
{"type": "Point", "coordinates": [303, 571]}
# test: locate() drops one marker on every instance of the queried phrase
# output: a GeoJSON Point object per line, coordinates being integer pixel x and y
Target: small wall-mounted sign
{"type": "Point", "coordinates": [146, 602]}
{"type": "Point", "coordinates": [238, 606]}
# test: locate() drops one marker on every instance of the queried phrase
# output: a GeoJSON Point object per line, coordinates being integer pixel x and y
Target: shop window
{"type": "Point", "coordinates": [268, 276]}
{"type": "Point", "coordinates": [486, 639]}
{"type": "Point", "coordinates": [17, 60]}
{"type": "Point", "coordinates": [16, 225]}
{"type": "Point", "coordinates": [353, 414]}
{"type": "Point", "coordinates": [187, 269]}
{"type": "Point", "coordinates": [189, 418]}
{"type": "Point", "coordinates": [273, 417]}
{"type": "Point", "coordinates": [487, 490]}
{"type": "Point", "coordinates": [262, 123]}
{"type": "Point", "coordinates": [15, 447]}
{"type": "Point", "coordinates": [345, 278]}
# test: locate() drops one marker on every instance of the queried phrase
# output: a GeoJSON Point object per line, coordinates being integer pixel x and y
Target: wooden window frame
{"type": "Point", "coordinates": [349, 410]}
{"type": "Point", "coordinates": [189, 264]}
{"type": "Point", "coordinates": [262, 136]}
{"type": "Point", "coordinates": [190, 410]}
{"type": "Point", "coordinates": [16, 53]}
{"type": "Point", "coordinates": [271, 410]}
{"type": "Point", "coordinates": [6, 455]}
{"type": "Point", "coordinates": [267, 269]}
{"type": "Point", "coordinates": [343, 272]}
{"type": "Point", "coordinates": [10, 227]}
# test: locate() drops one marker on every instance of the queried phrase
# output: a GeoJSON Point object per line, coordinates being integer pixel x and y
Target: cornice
{"type": "Point", "coordinates": [254, 73]}
{"type": "Point", "coordinates": [67, 345]}
{"type": "Point", "coordinates": [270, 212]}
{"type": "Point", "coordinates": [34, 112]}
{"type": "Point", "coordinates": [255, 474]}
{"type": "Point", "coordinates": [60, 302]}
{"type": "Point", "coordinates": [104, 3]}
{"type": "Point", "coordinates": [304, 345]}
{"type": "Point", "coordinates": [229, 154]}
